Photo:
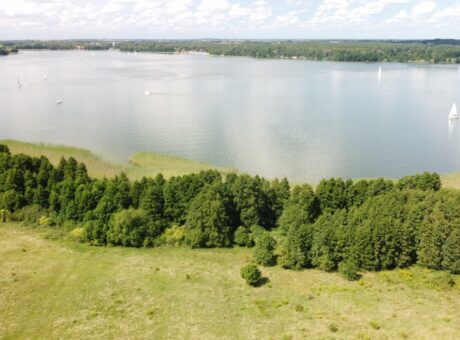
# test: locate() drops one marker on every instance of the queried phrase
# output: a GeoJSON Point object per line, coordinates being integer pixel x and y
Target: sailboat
{"type": "Point", "coordinates": [380, 73]}
{"type": "Point", "coordinates": [19, 84]}
{"type": "Point", "coordinates": [453, 112]}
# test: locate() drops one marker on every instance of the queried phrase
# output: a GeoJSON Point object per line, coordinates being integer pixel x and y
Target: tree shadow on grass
{"type": "Point", "coordinates": [262, 281]}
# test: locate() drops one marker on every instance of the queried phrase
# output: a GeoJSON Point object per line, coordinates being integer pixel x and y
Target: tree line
{"type": "Point", "coordinates": [428, 51]}
{"type": "Point", "coordinates": [372, 224]}
{"type": "Point", "coordinates": [6, 51]}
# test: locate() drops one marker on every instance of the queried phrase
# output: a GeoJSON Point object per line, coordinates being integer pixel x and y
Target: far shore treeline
{"type": "Point", "coordinates": [367, 224]}
{"type": "Point", "coordinates": [6, 51]}
{"type": "Point", "coordinates": [435, 51]}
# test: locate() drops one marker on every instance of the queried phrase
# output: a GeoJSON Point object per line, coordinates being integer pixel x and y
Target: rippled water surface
{"type": "Point", "coordinates": [304, 120]}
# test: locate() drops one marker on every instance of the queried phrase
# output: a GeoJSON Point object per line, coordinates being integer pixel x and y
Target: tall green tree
{"type": "Point", "coordinates": [208, 224]}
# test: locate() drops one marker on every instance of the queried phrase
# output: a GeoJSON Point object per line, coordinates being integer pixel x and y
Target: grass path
{"type": "Point", "coordinates": [58, 289]}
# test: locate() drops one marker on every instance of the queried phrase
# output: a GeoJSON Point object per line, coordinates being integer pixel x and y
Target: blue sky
{"type": "Point", "coordinates": [296, 19]}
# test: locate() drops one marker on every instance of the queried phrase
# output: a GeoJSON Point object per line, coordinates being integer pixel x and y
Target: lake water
{"type": "Point", "coordinates": [300, 119]}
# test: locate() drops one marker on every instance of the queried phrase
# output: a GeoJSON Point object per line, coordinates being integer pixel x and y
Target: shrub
{"type": "Point", "coordinates": [128, 228]}
{"type": "Point", "coordinates": [44, 221]}
{"type": "Point", "coordinates": [256, 231]}
{"type": "Point", "coordinates": [251, 274]}
{"type": "Point", "coordinates": [30, 214]}
{"type": "Point", "coordinates": [299, 308]}
{"type": "Point", "coordinates": [374, 325]}
{"type": "Point", "coordinates": [96, 232]}
{"type": "Point", "coordinates": [243, 237]}
{"type": "Point", "coordinates": [78, 234]}
{"type": "Point", "coordinates": [5, 215]}
{"type": "Point", "coordinates": [264, 250]}
{"type": "Point", "coordinates": [333, 328]}
{"type": "Point", "coordinates": [325, 263]}
{"type": "Point", "coordinates": [4, 149]}
{"type": "Point", "coordinates": [349, 270]}
{"type": "Point", "coordinates": [173, 236]}
{"type": "Point", "coordinates": [442, 280]}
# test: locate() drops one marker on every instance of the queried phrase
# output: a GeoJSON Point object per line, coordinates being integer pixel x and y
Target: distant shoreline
{"type": "Point", "coordinates": [437, 51]}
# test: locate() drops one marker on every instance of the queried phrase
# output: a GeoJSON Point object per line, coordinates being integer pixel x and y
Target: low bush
{"type": "Point", "coordinates": [349, 270]}
{"type": "Point", "coordinates": [174, 236]}
{"type": "Point", "coordinates": [264, 250]}
{"type": "Point", "coordinates": [30, 214]}
{"type": "Point", "coordinates": [375, 325]}
{"type": "Point", "coordinates": [44, 221]}
{"type": "Point", "coordinates": [243, 237]}
{"type": "Point", "coordinates": [333, 328]}
{"type": "Point", "coordinates": [78, 234]}
{"type": "Point", "coordinates": [128, 228]}
{"type": "Point", "coordinates": [5, 215]}
{"type": "Point", "coordinates": [251, 274]}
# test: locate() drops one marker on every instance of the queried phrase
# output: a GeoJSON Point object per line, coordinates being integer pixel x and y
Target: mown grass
{"type": "Point", "coordinates": [140, 164]}
{"type": "Point", "coordinates": [54, 288]}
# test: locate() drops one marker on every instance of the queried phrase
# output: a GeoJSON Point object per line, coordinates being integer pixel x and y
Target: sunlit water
{"type": "Point", "coordinates": [304, 120]}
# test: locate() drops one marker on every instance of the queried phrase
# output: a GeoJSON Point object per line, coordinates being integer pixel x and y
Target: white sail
{"type": "Point", "coordinates": [453, 112]}
{"type": "Point", "coordinates": [380, 73]}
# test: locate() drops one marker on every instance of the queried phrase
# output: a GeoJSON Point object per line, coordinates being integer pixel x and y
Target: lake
{"type": "Point", "coordinates": [304, 120]}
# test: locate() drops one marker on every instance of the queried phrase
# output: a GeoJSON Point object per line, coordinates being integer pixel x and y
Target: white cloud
{"type": "Point", "coordinates": [111, 7]}
{"type": "Point", "coordinates": [213, 5]}
{"type": "Point", "coordinates": [223, 18]}
{"type": "Point", "coordinates": [424, 7]}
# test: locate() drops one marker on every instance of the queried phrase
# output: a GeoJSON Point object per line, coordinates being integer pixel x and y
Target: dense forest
{"type": "Point", "coordinates": [426, 51]}
{"type": "Point", "coordinates": [342, 224]}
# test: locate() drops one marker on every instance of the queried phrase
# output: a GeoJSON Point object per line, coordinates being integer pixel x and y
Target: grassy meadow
{"type": "Point", "coordinates": [52, 287]}
{"type": "Point", "coordinates": [153, 163]}
{"type": "Point", "coordinates": [140, 164]}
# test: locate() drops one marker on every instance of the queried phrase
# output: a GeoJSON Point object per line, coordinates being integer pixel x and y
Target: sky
{"type": "Point", "coordinates": [250, 19]}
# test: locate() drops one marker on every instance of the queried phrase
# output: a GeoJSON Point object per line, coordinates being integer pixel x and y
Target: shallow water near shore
{"type": "Point", "coordinates": [300, 119]}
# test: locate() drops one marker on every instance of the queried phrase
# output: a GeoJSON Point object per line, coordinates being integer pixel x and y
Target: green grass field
{"type": "Point", "coordinates": [140, 164]}
{"type": "Point", "coordinates": [51, 287]}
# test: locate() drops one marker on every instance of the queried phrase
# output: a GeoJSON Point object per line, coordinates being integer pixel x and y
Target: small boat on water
{"type": "Point", "coordinates": [59, 101]}
{"type": "Point", "coordinates": [453, 112]}
{"type": "Point", "coordinates": [147, 93]}
{"type": "Point", "coordinates": [380, 73]}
